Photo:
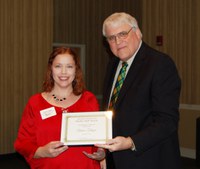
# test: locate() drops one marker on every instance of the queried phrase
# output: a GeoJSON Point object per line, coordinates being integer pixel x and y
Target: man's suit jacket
{"type": "Point", "coordinates": [147, 111]}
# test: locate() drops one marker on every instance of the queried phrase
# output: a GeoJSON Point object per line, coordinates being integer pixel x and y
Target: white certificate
{"type": "Point", "coordinates": [86, 128]}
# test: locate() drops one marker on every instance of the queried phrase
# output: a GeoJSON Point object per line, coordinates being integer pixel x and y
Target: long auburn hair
{"type": "Point", "coordinates": [77, 84]}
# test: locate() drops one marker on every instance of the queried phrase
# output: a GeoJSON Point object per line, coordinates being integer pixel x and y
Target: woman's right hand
{"type": "Point", "coordinates": [52, 149]}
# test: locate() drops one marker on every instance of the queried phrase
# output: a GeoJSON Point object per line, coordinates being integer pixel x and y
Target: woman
{"type": "Point", "coordinates": [39, 131]}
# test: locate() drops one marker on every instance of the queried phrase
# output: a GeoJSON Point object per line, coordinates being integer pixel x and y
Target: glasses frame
{"type": "Point", "coordinates": [120, 35]}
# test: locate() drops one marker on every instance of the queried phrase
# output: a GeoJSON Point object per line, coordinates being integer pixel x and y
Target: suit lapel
{"type": "Point", "coordinates": [132, 73]}
{"type": "Point", "coordinates": [111, 69]}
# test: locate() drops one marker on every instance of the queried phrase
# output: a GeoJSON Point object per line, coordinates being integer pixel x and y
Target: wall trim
{"type": "Point", "coordinates": [190, 106]}
{"type": "Point", "coordinates": [189, 153]}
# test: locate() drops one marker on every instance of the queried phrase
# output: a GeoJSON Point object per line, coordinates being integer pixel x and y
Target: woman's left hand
{"type": "Point", "coordinates": [99, 155]}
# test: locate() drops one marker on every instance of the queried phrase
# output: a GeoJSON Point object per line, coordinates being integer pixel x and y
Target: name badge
{"type": "Point", "coordinates": [46, 113]}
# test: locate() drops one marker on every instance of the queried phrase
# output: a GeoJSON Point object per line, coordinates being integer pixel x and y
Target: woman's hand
{"type": "Point", "coordinates": [52, 149]}
{"type": "Point", "coordinates": [99, 155]}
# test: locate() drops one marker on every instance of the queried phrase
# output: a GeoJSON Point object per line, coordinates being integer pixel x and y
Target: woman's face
{"type": "Point", "coordinates": [63, 70]}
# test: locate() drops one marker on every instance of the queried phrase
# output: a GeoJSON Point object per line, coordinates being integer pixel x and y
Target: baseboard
{"type": "Point", "coordinates": [189, 153]}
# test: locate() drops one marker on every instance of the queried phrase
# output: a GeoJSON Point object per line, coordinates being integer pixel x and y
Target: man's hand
{"type": "Point", "coordinates": [117, 144]}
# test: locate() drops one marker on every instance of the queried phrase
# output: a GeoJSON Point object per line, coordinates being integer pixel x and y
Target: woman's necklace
{"type": "Point", "coordinates": [57, 99]}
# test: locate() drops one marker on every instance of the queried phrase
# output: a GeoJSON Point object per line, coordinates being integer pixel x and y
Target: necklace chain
{"type": "Point", "coordinates": [57, 99]}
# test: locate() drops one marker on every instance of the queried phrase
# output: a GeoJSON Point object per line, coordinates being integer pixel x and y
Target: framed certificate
{"type": "Point", "coordinates": [86, 128]}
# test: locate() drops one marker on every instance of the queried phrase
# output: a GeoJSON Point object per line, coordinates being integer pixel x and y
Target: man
{"type": "Point", "coordinates": [145, 110]}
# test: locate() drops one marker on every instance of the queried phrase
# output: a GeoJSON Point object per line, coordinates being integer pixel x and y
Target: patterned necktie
{"type": "Point", "coordinates": [118, 85]}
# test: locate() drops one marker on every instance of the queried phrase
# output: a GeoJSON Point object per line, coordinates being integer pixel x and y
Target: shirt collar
{"type": "Point", "coordinates": [129, 61]}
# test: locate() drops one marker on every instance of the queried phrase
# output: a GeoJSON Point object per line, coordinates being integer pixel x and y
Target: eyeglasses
{"type": "Point", "coordinates": [120, 35]}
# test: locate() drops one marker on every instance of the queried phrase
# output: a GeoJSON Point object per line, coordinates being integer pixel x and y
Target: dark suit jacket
{"type": "Point", "coordinates": [147, 110]}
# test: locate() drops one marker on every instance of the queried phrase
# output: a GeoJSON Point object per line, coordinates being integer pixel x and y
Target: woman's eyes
{"type": "Point", "coordinates": [68, 66]}
{"type": "Point", "coordinates": [57, 66]}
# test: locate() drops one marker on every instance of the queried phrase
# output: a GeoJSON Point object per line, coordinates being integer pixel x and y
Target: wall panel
{"type": "Point", "coordinates": [26, 34]}
{"type": "Point", "coordinates": [179, 24]}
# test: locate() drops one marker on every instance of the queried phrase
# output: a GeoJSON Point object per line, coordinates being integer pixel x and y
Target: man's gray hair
{"type": "Point", "coordinates": [118, 19]}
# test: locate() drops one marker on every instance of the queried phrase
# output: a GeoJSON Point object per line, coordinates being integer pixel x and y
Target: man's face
{"type": "Point", "coordinates": [123, 40]}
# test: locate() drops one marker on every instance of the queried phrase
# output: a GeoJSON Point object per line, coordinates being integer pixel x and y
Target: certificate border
{"type": "Point", "coordinates": [108, 127]}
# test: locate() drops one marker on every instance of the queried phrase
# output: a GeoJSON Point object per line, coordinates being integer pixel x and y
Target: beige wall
{"type": "Point", "coordinates": [187, 132]}
{"type": "Point", "coordinates": [179, 23]}
{"type": "Point", "coordinates": [26, 35]}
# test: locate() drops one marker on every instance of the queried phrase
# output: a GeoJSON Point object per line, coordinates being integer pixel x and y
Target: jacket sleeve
{"type": "Point", "coordinates": [165, 92]}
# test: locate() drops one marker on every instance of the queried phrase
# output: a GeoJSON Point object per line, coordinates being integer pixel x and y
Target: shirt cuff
{"type": "Point", "coordinates": [133, 145]}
